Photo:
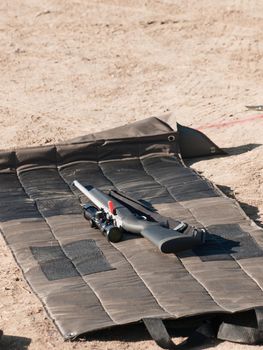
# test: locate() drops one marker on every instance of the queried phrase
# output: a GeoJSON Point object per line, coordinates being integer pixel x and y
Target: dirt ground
{"type": "Point", "coordinates": [71, 67]}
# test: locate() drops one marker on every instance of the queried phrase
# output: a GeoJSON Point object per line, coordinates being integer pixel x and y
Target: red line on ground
{"type": "Point", "coordinates": [230, 123]}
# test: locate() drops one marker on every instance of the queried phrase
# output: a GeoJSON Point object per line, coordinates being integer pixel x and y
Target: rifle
{"type": "Point", "coordinates": [114, 217]}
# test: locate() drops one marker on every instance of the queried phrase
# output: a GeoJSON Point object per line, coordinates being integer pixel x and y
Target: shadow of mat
{"type": "Point", "coordinates": [230, 151]}
{"type": "Point", "coordinates": [126, 334]}
{"type": "Point", "coordinates": [9, 342]}
{"type": "Point", "coordinates": [241, 149]}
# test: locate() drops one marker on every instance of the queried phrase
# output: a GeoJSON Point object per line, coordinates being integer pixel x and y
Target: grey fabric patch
{"type": "Point", "coordinates": [216, 248]}
{"type": "Point", "coordinates": [245, 245]}
{"type": "Point", "coordinates": [44, 254]}
{"type": "Point", "coordinates": [54, 263]}
{"type": "Point", "coordinates": [80, 258]}
{"type": "Point", "coordinates": [87, 257]}
{"type": "Point", "coordinates": [58, 269]}
{"type": "Point", "coordinates": [225, 242]}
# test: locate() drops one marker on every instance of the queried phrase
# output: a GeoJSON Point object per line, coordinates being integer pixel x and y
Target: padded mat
{"type": "Point", "coordinates": [87, 283]}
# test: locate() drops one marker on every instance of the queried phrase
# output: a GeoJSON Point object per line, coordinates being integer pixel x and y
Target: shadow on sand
{"type": "Point", "coordinates": [9, 342]}
{"type": "Point", "coordinates": [234, 151]}
{"type": "Point", "coordinates": [230, 151]}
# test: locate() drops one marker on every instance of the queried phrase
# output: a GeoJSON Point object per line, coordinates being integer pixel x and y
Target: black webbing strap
{"type": "Point", "coordinates": [243, 334]}
{"type": "Point", "coordinates": [158, 332]}
{"type": "Point", "coordinates": [141, 208]}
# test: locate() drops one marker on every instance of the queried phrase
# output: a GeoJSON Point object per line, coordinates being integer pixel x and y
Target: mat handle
{"type": "Point", "coordinates": [243, 334]}
{"type": "Point", "coordinates": [160, 335]}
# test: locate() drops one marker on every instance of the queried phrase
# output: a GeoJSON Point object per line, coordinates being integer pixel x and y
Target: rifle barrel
{"type": "Point", "coordinates": [99, 199]}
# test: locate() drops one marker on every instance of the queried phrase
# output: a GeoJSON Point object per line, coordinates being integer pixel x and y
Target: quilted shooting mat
{"type": "Point", "coordinates": [86, 283]}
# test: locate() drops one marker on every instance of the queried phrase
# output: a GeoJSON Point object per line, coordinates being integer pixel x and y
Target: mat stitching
{"type": "Point", "coordinates": [147, 287]}
{"type": "Point", "coordinates": [172, 197]}
{"type": "Point", "coordinates": [51, 230]}
{"type": "Point", "coordinates": [132, 266]}
{"type": "Point", "coordinates": [186, 209]}
{"type": "Point", "coordinates": [246, 273]}
{"type": "Point", "coordinates": [145, 283]}
{"type": "Point", "coordinates": [236, 261]}
{"type": "Point", "coordinates": [178, 258]}
{"type": "Point", "coordinates": [74, 196]}
{"type": "Point", "coordinates": [249, 274]}
{"type": "Point", "coordinates": [114, 245]}
{"type": "Point", "coordinates": [28, 282]}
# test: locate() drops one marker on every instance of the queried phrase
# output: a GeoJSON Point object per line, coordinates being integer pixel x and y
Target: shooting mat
{"type": "Point", "coordinates": [87, 283]}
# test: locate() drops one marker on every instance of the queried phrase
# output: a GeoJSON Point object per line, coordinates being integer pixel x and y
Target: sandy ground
{"type": "Point", "coordinates": [70, 67]}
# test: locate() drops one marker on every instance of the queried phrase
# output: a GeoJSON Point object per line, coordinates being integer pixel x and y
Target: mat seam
{"type": "Point", "coordinates": [236, 261]}
{"type": "Point", "coordinates": [30, 285]}
{"type": "Point", "coordinates": [189, 210]}
{"type": "Point", "coordinates": [24, 273]}
{"type": "Point", "coordinates": [51, 230]}
{"type": "Point", "coordinates": [161, 186]}
{"type": "Point", "coordinates": [172, 197]}
{"type": "Point", "coordinates": [237, 205]}
{"type": "Point", "coordinates": [86, 283]}
{"type": "Point", "coordinates": [98, 163]}
{"type": "Point", "coordinates": [249, 274]}
{"type": "Point", "coordinates": [147, 287]}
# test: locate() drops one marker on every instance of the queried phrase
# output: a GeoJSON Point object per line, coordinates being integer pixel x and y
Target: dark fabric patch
{"type": "Point", "coordinates": [87, 257]}
{"type": "Point", "coordinates": [80, 258]}
{"type": "Point", "coordinates": [226, 242]}
{"type": "Point", "coordinates": [54, 263]}
{"type": "Point", "coordinates": [216, 248]}
{"type": "Point", "coordinates": [59, 206]}
{"type": "Point", "coordinates": [246, 246]}
{"type": "Point", "coordinates": [58, 269]}
{"type": "Point", "coordinates": [43, 254]}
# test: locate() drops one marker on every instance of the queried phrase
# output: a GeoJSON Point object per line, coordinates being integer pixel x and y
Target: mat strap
{"type": "Point", "coordinates": [159, 334]}
{"type": "Point", "coordinates": [243, 334]}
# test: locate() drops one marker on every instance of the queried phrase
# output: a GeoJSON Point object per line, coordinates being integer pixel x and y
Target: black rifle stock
{"type": "Point", "coordinates": [112, 218]}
